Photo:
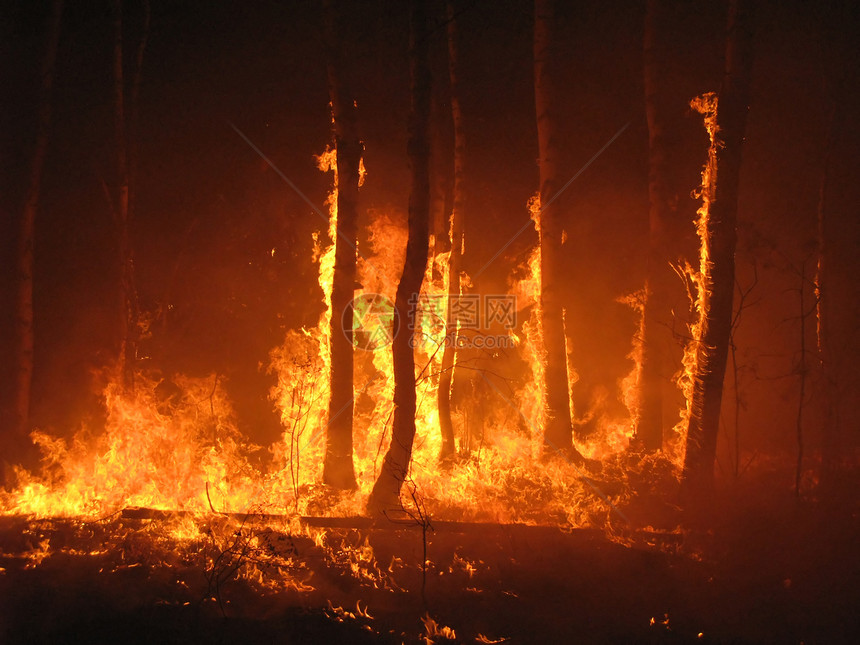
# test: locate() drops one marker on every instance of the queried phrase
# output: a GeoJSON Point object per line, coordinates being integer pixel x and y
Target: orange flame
{"type": "Point", "coordinates": [706, 105]}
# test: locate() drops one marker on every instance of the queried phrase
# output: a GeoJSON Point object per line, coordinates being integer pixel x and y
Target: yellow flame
{"type": "Point", "coordinates": [706, 105]}
{"type": "Point", "coordinates": [532, 397]}
{"type": "Point", "coordinates": [179, 453]}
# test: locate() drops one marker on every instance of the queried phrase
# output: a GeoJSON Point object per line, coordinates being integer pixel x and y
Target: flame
{"type": "Point", "coordinates": [303, 365]}
{"type": "Point", "coordinates": [326, 162]}
{"type": "Point", "coordinates": [532, 397]}
{"type": "Point", "coordinates": [432, 628]}
{"type": "Point", "coordinates": [182, 453]}
{"type": "Point", "coordinates": [706, 105]}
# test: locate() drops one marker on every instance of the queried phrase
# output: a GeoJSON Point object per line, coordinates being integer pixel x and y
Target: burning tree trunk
{"type": "Point", "coordinates": [449, 355]}
{"type": "Point", "coordinates": [338, 470]}
{"type": "Point", "coordinates": [558, 430]}
{"type": "Point", "coordinates": [24, 338]}
{"type": "Point", "coordinates": [385, 496]}
{"type": "Point", "coordinates": [649, 432]}
{"type": "Point", "coordinates": [718, 232]}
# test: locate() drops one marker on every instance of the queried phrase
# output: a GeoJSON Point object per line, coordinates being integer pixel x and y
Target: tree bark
{"type": "Point", "coordinates": [385, 497]}
{"type": "Point", "coordinates": [649, 431]}
{"type": "Point", "coordinates": [129, 279]}
{"type": "Point", "coordinates": [449, 355]}
{"type": "Point", "coordinates": [128, 313]}
{"type": "Point", "coordinates": [718, 231]}
{"type": "Point", "coordinates": [338, 469]}
{"type": "Point", "coordinates": [558, 430]}
{"type": "Point", "coordinates": [25, 256]}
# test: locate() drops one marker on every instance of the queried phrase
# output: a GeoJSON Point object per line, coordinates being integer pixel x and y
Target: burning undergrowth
{"type": "Point", "coordinates": [172, 444]}
{"type": "Point", "coordinates": [183, 453]}
{"type": "Point", "coordinates": [170, 491]}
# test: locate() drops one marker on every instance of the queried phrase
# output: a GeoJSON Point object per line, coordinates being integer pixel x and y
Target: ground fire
{"type": "Point", "coordinates": [427, 322]}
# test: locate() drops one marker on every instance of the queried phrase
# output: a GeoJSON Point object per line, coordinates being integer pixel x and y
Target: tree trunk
{"type": "Point", "coordinates": [449, 355]}
{"type": "Point", "coordinates": [649, 431]}
{"type": "Point", "coordinates": [835, 56]}
{"type": "Point", "coordinates": [439, 188]}
{"type": "Point", "coordinates": [338, 470]}
{"type": "Point", "coordinates": [558, 430]}
{"type": "Point", "coordinates": [129, 279]}
{"type": "Point", "coordinates": [718, 231]}
{"type": "Point", "coordinates": [385, 496]}
{"type": "Point", "coordinates": [830, 448]}
{"type": "Point", "coordinates": [25, 258]}
{"type": "Point", "coordinates": [127, 295]}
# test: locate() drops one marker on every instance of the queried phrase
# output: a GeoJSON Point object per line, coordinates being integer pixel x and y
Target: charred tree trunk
{"type": "Point", "coordinates": [558, 430]}
{"type": "Point", "coordinates": [385, 496]}
{"type": "Point", "coordinates": [649, 433]}
{"type": "Point", "coordinates": [449, 355]}
{"type": "Point", "coordinates": [338, 470]}
{"type": "Point", "coordinates": [719, 236]}
{"type": "Point", "coordinates": [25, 258]}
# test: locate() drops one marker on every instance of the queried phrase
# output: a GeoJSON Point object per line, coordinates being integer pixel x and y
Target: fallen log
{"type": "Point", "coordinates": [366, 523]}
{"type": "Point", "coordinates": [145, 513]}
{"type": "Point", "coordinates": [646, 538]}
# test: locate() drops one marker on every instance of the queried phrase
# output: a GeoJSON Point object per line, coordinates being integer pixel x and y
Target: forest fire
{"type": "Point", "coordinates": [581, 386]}
{"type": "Point", "coordinates": [175, 447]}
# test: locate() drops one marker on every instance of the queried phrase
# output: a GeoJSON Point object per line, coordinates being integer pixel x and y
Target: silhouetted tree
{"type": "Point", "coordinates": [385, 496]}
{"type": "Point", "coordinates": [25, 256]}
{"type": "Point", "coordinates": [449, 355]}
{"type": "Point", "coordinates": [835, 56]}
{"type": "Point", "coordinates": [661, 134]}
{"type": "Point", "coordinates": [718, 231]}
{"type": "Point", "coordinates": [123, 200]}
{"type": "Point", "coordinates": [558, 430]}
{"type": "Point", "coordinates": [338, 470]}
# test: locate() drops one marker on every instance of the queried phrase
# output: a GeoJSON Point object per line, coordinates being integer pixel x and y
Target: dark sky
{"type": "Point", "coordinates": [210, 210]}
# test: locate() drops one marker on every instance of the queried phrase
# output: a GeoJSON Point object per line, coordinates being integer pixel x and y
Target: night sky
{"type": "Point", "coordinates": [211, 211]}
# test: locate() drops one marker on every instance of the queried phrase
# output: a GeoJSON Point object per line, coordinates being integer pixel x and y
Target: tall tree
{"type": "Point", "coordinates": [834, 55]}
{"type": "Point", "coordinates": [338, 469]}
{"type": "Point", "coordinates": [718, 232]}
{"type": "Point", "coordinates": [133, 134]}
{"type": "Point", "coordinates": [385, 496]}
{"type": "Point", "coordinates": [558, 430]}
{"type": "Point", "coordinates": [449, 355]}
{"type": "Point", "coordinates": [649, 431]}
{"type": "Point", "coordinates": [124, 199]}
{"type": "Point", "coordinates": [25, 257]}
{"type": "Point", "coordinates": [125, 363]}
{"type": "Point", "coordinates": [830, 431]}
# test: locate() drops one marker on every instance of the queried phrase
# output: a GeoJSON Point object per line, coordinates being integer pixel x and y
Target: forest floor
{"type": "Point", "coordinates": [766, 570]}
